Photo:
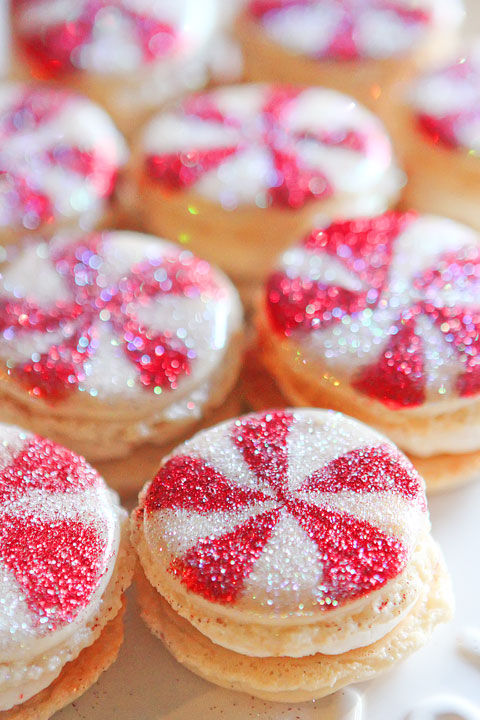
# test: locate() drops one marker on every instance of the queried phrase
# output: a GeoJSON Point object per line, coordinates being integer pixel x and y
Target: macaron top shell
{"type": "Point", "coordinates": [388, 306]}
{"type": "Point", "coordinates": [284, 513]}
{"type": "Point", "coordinates": [114, 320]}
{"type": "Point", "coordinates": [344, 31]}
{"type": "Point", "coordinates": [268, 145]}
{"type": "Point", "coordinates": [114, 37]}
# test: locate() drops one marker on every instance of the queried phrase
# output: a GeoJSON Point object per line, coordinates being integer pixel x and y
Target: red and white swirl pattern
{"type": "Point", "coordinates": [285, 510]}
{"type": "Point", "coordinates": [113, 315]}
{"type": "Point", "coordinates": [390, 304]}
{"type": "Point", "coordinates": [351, 29]}
{"type": "Point", "coordinates": [59, 535]}
{"type": "Point", "coordinates": [109, 36]}
{"type": "Point", "coordinates": [268, 145]}
{"type": "Point", "coordinates": [446, 103]}
{"type": "Point", "coordinates": [60, 155]}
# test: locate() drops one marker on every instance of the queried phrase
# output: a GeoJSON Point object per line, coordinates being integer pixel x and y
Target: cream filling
{"type": "Point", "coordinates": [42, 662]}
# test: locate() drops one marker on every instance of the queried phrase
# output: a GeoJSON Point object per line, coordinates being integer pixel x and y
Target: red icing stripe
{"type": "Point", "coordinates": [179, 170]}
{"type": "Point", "coordinates": [188, 483]}
{"type": "Point", "coordinates": [397, 378]}
{"type": "Point", "coordinates": [356, 557]}
{"type": "Point", "coordinates": [57, 564]}
{"type": "Point", "coordinates": [461, 329]}
{"type": "Point", "coordinates": [162, 359]}
{"type": "Point", "coordinates": [302, 304]}
{"type": "Point", "coordinates": [296, 183]}
{"type": "Point", "coordinates": [363, 245]}
{"type": "Point", "coordinates": [367, 470]}
{"type": "Point", "coordinates": [262, 440]}
{"type": "Point", "coordinates": [217, 568]}
{"type": "Point", "coordinates": [46, 466]}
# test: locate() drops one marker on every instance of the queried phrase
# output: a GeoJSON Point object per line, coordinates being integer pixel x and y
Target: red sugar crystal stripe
{"type": "Point", "coordinates": [57, 564]}
{"type": "Point", "coordinates": [188, 483]}
{"type": "Point", "coordinates": [262, 440]}
{"type": "Point", "coordinates": [217, 568]}
{"type": "Point", "coordinates": [367, 470]}
{"type": "Point", "coordinates": [356, 557]}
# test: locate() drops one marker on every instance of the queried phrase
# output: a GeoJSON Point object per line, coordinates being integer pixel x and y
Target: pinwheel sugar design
{"type": "Point", "coordinates": [227, 128]}
{"type": "Point", "coordinates": [391, 304]}
{"type": "Point", "coordinates": [342, 29]}
{"type": "Point", "coordinates": [61, 44]}
{"type": "Point", "coordinates": [100, 304]}
{"type": "Point", "coordinates": [55, 538]}
{"type": "Point", "coordinates": [52, 168]}
{"type": "Point", "coordinates": [226, 506]}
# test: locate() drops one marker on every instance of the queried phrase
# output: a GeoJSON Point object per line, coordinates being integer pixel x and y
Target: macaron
{"type": "Point", "coordinates": [112, 340]}
{"type": "Point", "coordinates": [287, 554]}
{"type": "Point", "coordinates": [65, 564]}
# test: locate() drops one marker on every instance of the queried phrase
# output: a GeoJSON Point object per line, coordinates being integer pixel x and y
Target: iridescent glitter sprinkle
{"type": "Point", "coordinates": [390, 304]}
{"type": "Point", "coordinates": [286, 499]}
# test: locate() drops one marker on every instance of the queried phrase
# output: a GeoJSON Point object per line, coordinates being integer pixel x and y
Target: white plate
{"type": "Point", "coordinates": [146, 683]}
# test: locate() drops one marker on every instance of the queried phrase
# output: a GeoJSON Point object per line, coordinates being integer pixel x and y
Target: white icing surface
{"type": "Point", "coordinates": [245, 176]}
{"type": "Point", "coordinates": [378, 31]}
{"type": "Point", "coordinates": [30, 655]}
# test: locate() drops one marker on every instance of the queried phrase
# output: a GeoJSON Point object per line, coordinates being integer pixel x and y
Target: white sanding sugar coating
{"type": "Point", "coordinates": [446, 101]}
{"type": "Point", "coordinates": [113, 36]}
{"type": "Point", "coordinates": [60, 156]}
{"type": "Point", "coordinates": [339, 30]}
{"type": "Point", "coordinates": [388, 305]}
{"type": "Point", "coordinates": [115, 320]}
{"type": "Point", "coordinates": [283, 514]}
{"type": "Point", "coordinates": [59, 540]}
{"type": "Point", "coordinates": [270, 144]}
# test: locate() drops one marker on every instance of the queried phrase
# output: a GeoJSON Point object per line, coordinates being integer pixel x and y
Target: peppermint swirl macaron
{"type": "Point", "coordinates": [60, 157]}
{"type": "Point", "coordinates": [110, 340]}
{"type": "Point", "coordinates": [64, 565]}
{"type": "Point", "coordinates": [235, 171]}
{"type": "Point", "coordinates": [128, 56]}
{"type": "Point", "coordinates": [284, 546]}
{"type": "Point", "coordinates": [380, 317]}
{"type": "Point", "coordinates": [360, 48]}
{"type": "Point", "coordinates": [437, 122]}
